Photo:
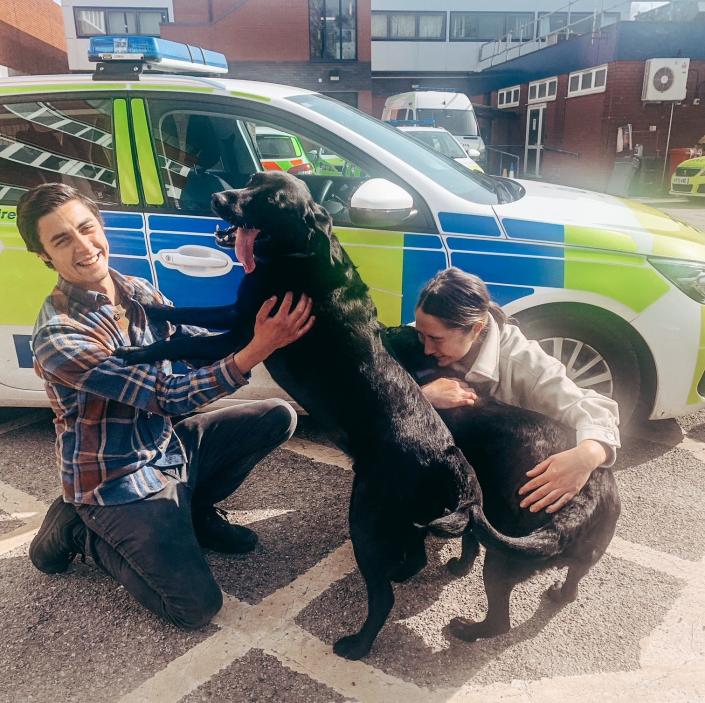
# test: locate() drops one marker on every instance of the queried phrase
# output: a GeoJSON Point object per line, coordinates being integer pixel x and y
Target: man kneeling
{"type": "Point", "coordinates": [138, 491]}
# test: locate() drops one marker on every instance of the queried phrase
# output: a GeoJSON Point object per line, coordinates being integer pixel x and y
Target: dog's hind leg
{"type": "Point", "coordinates": [500, 574]}
{"type": "Point", "coordinates": [374, 567]}
{"type": "Point", "coordinates": [378, 547]}
{"type": "Point", "coordinates": [461, 566]}
{"type": "Point", "coordinates": [414, 558]}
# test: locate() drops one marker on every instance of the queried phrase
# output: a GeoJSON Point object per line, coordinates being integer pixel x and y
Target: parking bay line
{"type": "Point", "coordinates": [270, 626]}
{"type": "Point", "coordinates": [243, 627]}
{"type": "Point", "coordinates": [13, 501]}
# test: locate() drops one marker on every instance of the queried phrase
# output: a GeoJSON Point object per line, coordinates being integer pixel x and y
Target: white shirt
{"type": "Point", "coordinates": [516, 371]}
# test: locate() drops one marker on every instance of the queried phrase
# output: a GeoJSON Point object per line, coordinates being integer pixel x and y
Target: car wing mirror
{"type": "Point", "coordinates": [380, 203]}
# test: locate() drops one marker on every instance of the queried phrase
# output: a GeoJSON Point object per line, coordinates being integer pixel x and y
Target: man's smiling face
{"type": "Point", "coordinates": [74, 243]}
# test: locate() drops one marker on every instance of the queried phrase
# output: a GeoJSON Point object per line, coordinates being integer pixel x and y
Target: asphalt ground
{"type": "Point", "coordinates": [635, 633]}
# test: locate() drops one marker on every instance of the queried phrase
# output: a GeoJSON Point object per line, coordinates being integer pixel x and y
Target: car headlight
{"type": "Point", "coordinates": [474, 153]}
{"type": "Point", "coordinates": [688, 276]}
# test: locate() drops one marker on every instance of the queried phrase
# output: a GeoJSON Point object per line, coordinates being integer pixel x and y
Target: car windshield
{"type": "Point", "coordinates": [459, 122]}
{"type": "Point", "coordinates": [449, 174]}
{"type": "Point", "coordinates": [439, 141]}
{"type": "Point", "coordinates": [275, 147]}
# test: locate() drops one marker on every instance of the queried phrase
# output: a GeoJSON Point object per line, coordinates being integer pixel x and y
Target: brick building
{"type": "Point", "coordinates": [561, 108]}
{"type": "Point", "coordinates": [31, 37]}
{"type": "Point", "coordinates": [321, 45]}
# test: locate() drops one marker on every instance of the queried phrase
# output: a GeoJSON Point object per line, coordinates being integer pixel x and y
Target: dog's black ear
{"type": "Point", "coordinates": [320, 223]}
{"type": "Point", "coordinates": [317, 218]}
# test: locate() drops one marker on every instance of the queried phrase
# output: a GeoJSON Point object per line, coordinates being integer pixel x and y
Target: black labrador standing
{"type": "Point", "coordinates": [407, 470]}
{"type": "Point", "coordinates": [502, 443]}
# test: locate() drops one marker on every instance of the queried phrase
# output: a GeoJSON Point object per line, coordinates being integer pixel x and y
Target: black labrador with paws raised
{"type": "Point", "coordinates": [408, 472]}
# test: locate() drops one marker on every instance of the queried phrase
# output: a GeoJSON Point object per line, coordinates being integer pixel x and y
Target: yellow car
{"type": "Point", "coordinates": [689, 178]}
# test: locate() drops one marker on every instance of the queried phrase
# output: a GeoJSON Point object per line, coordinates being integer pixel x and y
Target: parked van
{"type": "Point", "coordinates": [452, 111]}
{"type": "Point", "coordinates": [612, 288]}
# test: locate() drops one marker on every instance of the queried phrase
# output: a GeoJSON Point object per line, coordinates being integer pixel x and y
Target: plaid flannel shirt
{"type": "Point", "coordinates": [114, 435]}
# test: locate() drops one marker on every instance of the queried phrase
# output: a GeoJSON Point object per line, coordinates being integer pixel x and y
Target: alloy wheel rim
{"type": "Point", "coordinates": [585, 366]}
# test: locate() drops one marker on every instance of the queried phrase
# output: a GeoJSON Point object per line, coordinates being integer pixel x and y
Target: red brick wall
{"type": "Point", "coordinates": [587, 124]}
{"type": "Point", "coordinates": [32, 36]}
{"type": "Point", "coordinates": [257, 30]}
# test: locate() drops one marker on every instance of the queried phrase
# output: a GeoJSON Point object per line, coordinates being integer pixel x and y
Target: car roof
{"type": "Point", "coordinates": [437, 99]}
{"type": "Point", "coordinates": [411, 128]}
{"type": "Point", "coordinates": [254, 90]}
{"type": "Point", "coordinates": [270, 132]}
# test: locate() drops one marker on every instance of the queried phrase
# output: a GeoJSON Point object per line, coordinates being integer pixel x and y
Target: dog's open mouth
{"type": "Point", "coordinates": [242, 237]}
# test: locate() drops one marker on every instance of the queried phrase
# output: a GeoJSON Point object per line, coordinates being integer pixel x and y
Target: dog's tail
{"type": "Point", "coordinates": [542, 543]}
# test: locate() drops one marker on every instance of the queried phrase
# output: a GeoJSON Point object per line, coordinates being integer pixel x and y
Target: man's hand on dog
{"type": "Point", "coordinates": [558, 479]}
{"type": "Point", "coordinates": [275, 331]}
{"type": "Point", "coordinates": [445, 393]}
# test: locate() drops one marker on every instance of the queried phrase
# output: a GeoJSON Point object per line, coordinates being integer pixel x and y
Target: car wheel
{"type": "Point", "coordinates": [595, 354]}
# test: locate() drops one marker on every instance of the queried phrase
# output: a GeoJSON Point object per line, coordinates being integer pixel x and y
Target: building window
{"type": "Point", "coordinates": [593, 80]}
{"type": "Point", "coordinates": [491, 26]}
{"type": "Point", "coordinates": [543, 90]}
{"type": "Point", "coordinates": [409, 26]}
{"type": "Point", "coordinates": [508, 97]}
{"type": "Point", "coordinates": [94, 21]}
{"type": "Point", "coordinates": [333, 29]}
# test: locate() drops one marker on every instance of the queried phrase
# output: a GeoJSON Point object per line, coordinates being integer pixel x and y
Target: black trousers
{"type": "Point", "coordinates": [149, 546]}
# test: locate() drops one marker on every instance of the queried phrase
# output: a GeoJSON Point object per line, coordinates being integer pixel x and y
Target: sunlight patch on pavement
{"type": "Point", "coordinates": [319, 452]}
{"type": "Point", "coordinates": [680, 638]}
{"type": "Point", "coordinates": [247, 517]}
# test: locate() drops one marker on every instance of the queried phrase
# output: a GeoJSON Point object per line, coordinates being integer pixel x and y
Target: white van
{"type": "Point", "coordinates": [453, 111]}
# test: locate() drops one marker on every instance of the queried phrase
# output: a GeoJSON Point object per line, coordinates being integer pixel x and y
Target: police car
{"type": "Point", "coordinates": [613, 288]}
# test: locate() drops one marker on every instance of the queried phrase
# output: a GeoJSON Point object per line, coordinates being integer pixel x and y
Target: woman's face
{"type": "Point", "coordinates": [446, 344]}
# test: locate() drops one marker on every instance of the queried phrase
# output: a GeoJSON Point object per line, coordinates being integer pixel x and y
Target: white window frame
{"type": "Point", "coordinates": [509, 97]}
{"type": "Point", "coordinates": [592, 89]}
{"type": "Point", "coordinates": [537, 85]}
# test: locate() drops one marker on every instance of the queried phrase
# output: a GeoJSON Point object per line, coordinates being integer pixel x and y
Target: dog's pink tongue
{"type": "Point", "coordinates": [244, 248]}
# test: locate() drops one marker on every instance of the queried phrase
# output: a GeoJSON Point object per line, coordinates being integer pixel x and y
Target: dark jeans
{"type": "Point", "coordinates": [149, 546]}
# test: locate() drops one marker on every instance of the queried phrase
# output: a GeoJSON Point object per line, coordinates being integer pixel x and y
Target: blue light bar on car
{"type": "Point", "coordinates": [161, 54]}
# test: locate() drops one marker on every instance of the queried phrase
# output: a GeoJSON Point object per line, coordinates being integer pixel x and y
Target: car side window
{"type": "Point", "coordinates": [66, 140]}
{"type": "Point", "coordinates": [331, 178]}
{"type": "Point", "coordinates": [200, 152]}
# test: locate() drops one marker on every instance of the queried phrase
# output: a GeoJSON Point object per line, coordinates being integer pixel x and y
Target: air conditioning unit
{"type": "Point", "coordinates": [665, 79]}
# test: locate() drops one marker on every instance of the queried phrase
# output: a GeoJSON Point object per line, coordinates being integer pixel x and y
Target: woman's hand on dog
{"type": "Point", "coordinates": [273, 332]}
{"type": "Point", "coordinates": [558, 479]}
{"type": "Point", "coordinates": [445, 393]}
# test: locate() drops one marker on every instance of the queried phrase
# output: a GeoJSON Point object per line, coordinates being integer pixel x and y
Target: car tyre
{"type": "Point", "coordinates": [591, 348]}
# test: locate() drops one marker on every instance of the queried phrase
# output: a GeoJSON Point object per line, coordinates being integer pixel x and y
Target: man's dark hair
{"type": "Point", "coordinates": [42, 200]}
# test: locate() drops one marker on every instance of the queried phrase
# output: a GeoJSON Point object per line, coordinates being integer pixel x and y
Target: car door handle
{"type": "Point", "coordinates": [196, 260]}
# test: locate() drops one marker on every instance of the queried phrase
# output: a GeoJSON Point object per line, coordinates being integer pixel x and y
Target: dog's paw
{"type": "Point", "coordinates": [131, 355]}
{"type": "Point", "coordinates": [352, 647]}
{"type": "Point", "coordinates": [469, 630]}
{"type": "Point", "coordinates": [557, 593]}
{"type": "Point", "coordinates": [458, 567]}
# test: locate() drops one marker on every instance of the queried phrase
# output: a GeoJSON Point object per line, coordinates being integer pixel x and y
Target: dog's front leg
{"type": "Point", "coordinates": [209, 348]}
{"type": "Point", "coordinates": [224, 317]}
{"type": "Point", "coordinates": [461, 566]}
{"type": "Point", "coordinates": [500, 574]}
